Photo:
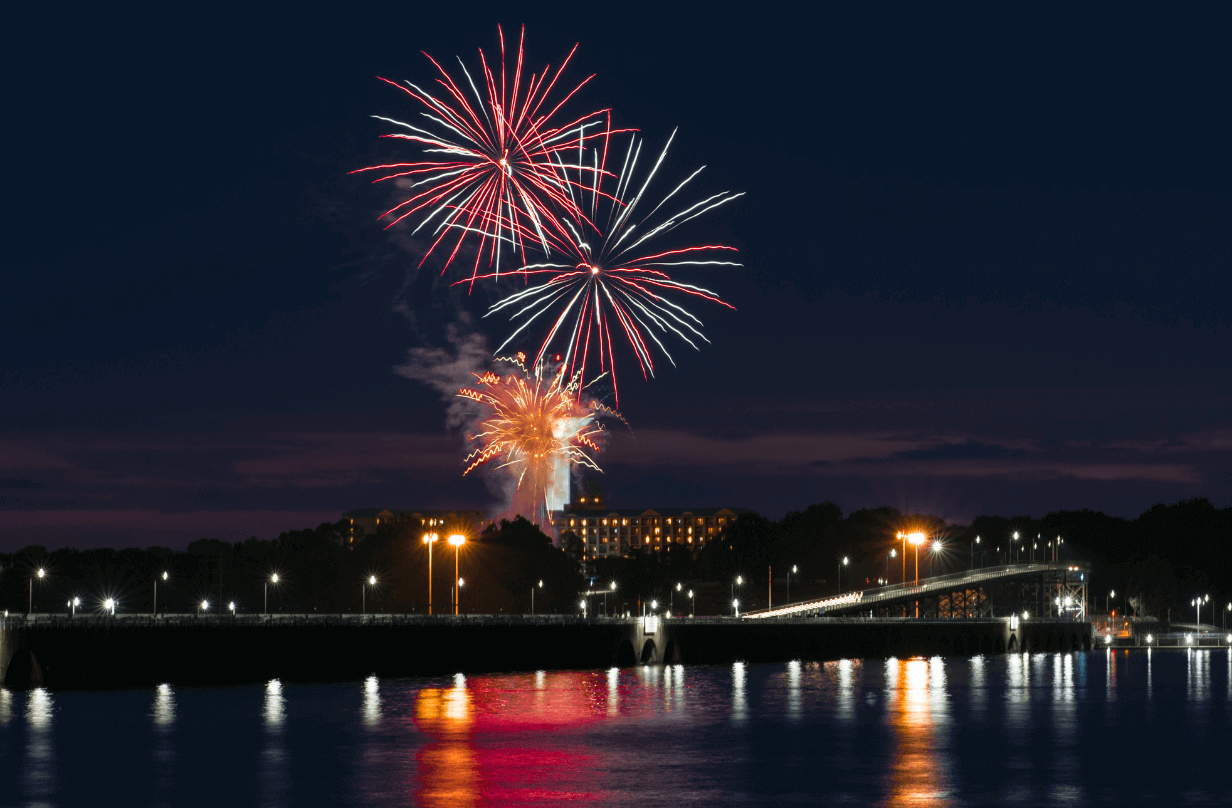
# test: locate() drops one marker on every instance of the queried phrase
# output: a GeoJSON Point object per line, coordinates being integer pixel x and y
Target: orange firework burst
{"type": "Point", "coordinates": [537, 429]}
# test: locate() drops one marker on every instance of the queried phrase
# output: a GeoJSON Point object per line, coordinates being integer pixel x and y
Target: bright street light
{"type": "Point", "coordinates": [109, 605]}
{"type": "Point", "coordinates": [363, 595]}
{"type": "Point", "coordinates": [736, 606]}
{"type": "Point", "coordinates": [457, 540]}
{"type": "Point", "coordinates": [273, 579]}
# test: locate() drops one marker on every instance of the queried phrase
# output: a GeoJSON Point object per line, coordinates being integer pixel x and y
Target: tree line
{"type": "Point", "coordinates": [1157, 562]}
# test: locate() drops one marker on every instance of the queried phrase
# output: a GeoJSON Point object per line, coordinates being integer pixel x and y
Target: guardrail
{"type": "Point", "coordinates": [925, 586]}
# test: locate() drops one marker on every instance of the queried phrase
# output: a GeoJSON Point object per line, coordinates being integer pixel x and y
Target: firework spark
{"type": "Point", "coordinates": [610, 276]}
{"type": "Point", "coordinates": [495, 165]}
{"type": "Point", "coordinates": [538, 430]}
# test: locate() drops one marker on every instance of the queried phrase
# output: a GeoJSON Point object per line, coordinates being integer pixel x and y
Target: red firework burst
{"type": "Point", "coordinates": [495, 160]}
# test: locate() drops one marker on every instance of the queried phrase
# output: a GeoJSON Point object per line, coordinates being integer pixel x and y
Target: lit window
{"type": "Point", "coordinates": [656, 531]}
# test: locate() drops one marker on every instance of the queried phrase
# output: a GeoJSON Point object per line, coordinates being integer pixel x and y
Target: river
{"type": "Point", "coordinates": [1124, 728]}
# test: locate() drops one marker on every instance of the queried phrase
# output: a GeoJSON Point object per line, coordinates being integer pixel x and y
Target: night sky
{"type": "Point", "coordinates": [987, 259]}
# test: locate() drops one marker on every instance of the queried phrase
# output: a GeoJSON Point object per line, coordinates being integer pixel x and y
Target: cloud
{"type": "Point", "coordinates": [20, 483]}
{"type": "Point", "coordinates": [972, 449]}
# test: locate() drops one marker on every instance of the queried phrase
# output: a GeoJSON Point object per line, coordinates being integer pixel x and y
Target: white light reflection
{"type": "Point", "coordinates": [1198, 685]}
{"type": "Point", "coordinates": [1148, 676]}
{"type": "Point", "coordinates": [164, 706]}
{"type": "Point", "coordinates": [275, 707]}
{"type": "Point", "coordinates": [372, 701]}
{"type": "Point", "coordinates": [740, 708]}
{"type": "Point", "coordinates": [613, 691]}
{"type": "Point", "coordinates": [38, 771]}
{"type": "Point", "coordinates": [793, 690]}
{"type": "Point", "coordinates": [979, 688]}
{"type": "Point", "coordinates": [6, 706]}
{"type": "Point", "coordinates": [274, 763]}
{"type": "Point", "coordinates": [846, 699]}
{"type": "Point", "coordinates": [678, 682]}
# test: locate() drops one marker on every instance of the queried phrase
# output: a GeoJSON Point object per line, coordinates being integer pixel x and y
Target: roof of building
{"type": "Point", "coordinates": [625, 512]}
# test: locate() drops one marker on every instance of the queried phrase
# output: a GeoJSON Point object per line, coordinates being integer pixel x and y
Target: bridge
{"type": "Point", "coordinates": [1054, 590]}
{"type": "Point", "coordinates": [99, 652]}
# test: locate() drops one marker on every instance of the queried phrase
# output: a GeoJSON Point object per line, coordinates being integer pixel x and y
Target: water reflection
{"type": "Point", "coordinates": [372, 702]}
{"type": "Point", "coordinates": [6, 706]}
{"type": "Point", "coordinates": [273, 770]}
{"type": "Point", "coordinates": [793, 690]}
{"type": "Point", "coordinates": [446, 773]}
{"type": "Point", "coordinates": [164, 706]}
{"type": "Point", "coordinates": [275, 706]}
{"type": "Point", "coordinates": [1198, 682]}
{"type": "Point", "coordinates": [613, 691]}
{"type": "Point", "coordinates": [163, 770]}
{"type": "Point", "coordinates": [846, 700]}
{"type": "Point", "coordinates": [919, 769]}
{"type": "Point", "coordinates": [39, 770]}
{"type": "Point", "coordinates": [740, 707]}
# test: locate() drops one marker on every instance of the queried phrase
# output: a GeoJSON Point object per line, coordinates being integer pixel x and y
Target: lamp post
{"type": "Point", "coordinates": [936, 548]}
{"type": "Point", "coordinates": [841, 564]}
{"type": "Point", "coordinates": [794, 570]}
{"type": "Point", "coordinates": [203, 606]}
{"type": "Point", "coordinates": [1225, 616]}
{"type": "Point", "coordinates": [74, 603]}
{"type": "Point", "coordinates": [231, 606]}
{"type": "Point", "coordinates": [671, 599]}
{"type": "Point", "coordinates": [109, 605]}
{"type": "Point", "coordinates": [736, 606]}
{"type": "Point", "coordinates": [977, 541]}
{"type": "Point", "coordinates": [273, 579]}
{"type": "Point", "coordinates": [1111, 595]}
{"type": "Point", "coordinates": [156, 593]}
{"type": "Point", "coordinates": [532, 597]}
{"type": "Point", "coordinates": [457, 540]}
{"type": "Point", "coordinates": [916, 540]}
{"type": "Point", "coordinates": [430, 539]}
{"type": "Point", "coordinates": [903, 535]}
{"type": "Point", "coordinates": [605, 591]}
{"type": "Point", "coordinates": [738, 582]}
{"type": "Point", "coordinates": [363, 594]}
{"type": "Point", "coordinates": [40, 574]}
{"type": "Point", "coordinates": [1013, 548]}
{"type": "Point", "coordinates": [457, 595]}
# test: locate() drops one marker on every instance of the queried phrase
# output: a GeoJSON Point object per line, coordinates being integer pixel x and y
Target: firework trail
{"type": "Point", "coordinates": [538, 430]}
{"type": "Point", "coordinates": [609, 276]}
{"type": "Point", "coordinates": [495, 160]}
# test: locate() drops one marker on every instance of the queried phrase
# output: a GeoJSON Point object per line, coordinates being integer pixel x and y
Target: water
{"type": "Point", "coordinates": [1046, 729]}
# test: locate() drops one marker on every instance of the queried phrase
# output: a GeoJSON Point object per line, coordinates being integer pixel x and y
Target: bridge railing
{"type": "Point", "coordinates": [926, 585]}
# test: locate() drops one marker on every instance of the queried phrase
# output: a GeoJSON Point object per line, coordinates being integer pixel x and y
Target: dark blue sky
{"type": "Point", "coordinates": [986, 257]}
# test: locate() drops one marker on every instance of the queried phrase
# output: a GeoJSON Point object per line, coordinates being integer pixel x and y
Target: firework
{"type": "Point", "coordinates": [537, 429]}
{"type": "Point", "coordinates": [495, 160]}
{"type": "Point", "coordinates": [610, 277]}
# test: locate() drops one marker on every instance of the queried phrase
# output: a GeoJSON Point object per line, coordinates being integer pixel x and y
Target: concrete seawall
{"type": "Point", "coordinates": [102, 653]}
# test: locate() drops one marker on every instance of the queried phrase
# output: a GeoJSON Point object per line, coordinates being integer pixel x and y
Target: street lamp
{"type": "Point", "coordinates": [936, 548]}
{"type": "Point", "coordinates": [231, 606]}
{"type": "Point", "coordinates": [363, 594]}
{"type": "Point", "coordinates": [903, 535]}
{"type": "Point", "coordinates": [156, 593]}
{"type": "Point", "coordinates": [532, 597]}
{"type": "Point", "coordinates": [204, 606]}
{"type": "Point", "coordinates": [458, 591]}
{"type": "Point", "coordinates": [977, 541]}
{"type": "Point", "coordinates": [794, 570]}
{"type": "Point", "coordinates": [1111, 596]}
{"type": "Point", "coordinates": [41, 574]}
{"type": "Point", "coordinates": [736, 606]}
{"type": "Point", "coordinates": [75, 602]}
{"type": "Point", "coordinates": [671, 598]}
{"type": "Point", "coordinates": [738, 582]}
{"type": "Point", "coordinates": [1015, 548]}
{"type": "Point", "coordinates": [429, 539]}
{"type": "Point", "coordinates": [842, 564]}
{"type": "Point", "coordinates": [605, 591]}
{"type": "Point", "coordinates": [457, 540]}
{"type": "Point", "coordinates": [273, 579]}
{"type": "Point", "coordinates": [110, 605]}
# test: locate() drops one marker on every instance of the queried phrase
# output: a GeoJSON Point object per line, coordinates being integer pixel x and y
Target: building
{"type": "Point", "coordinates": [606, 533]}
{"type": "Point", "coordinates": [367, 521]}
